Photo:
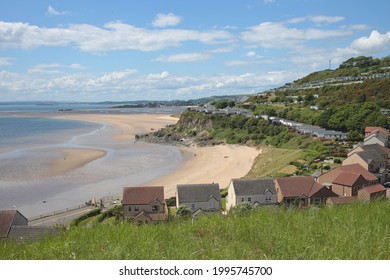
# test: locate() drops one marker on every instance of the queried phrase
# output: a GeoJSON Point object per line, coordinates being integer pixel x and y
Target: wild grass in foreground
{"type": "Point", "coordinates": [358, 231]}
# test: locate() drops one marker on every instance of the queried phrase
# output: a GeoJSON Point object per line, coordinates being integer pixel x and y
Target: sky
{"type": "Point", "coordinates": [124, 50]}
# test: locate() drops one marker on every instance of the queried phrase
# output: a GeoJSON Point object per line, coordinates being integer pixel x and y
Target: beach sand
{"type": "Point", "coordinates": [71, 160]}
{"type": "Point", "coordinates": [128, 125]}
{"type": "Point", "coordinates": [217, 164]}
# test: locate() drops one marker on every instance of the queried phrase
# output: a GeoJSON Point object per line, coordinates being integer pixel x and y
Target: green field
{"type": "Point", "coordinates": [359, 231]}
{"type": "Point", "coordinates": [272, 161]}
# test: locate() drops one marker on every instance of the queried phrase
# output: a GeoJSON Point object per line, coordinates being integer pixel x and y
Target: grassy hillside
{"type": "Point", "coordinates": [272, 162]}
{"type": "Point", "coordinates": [358, 231]}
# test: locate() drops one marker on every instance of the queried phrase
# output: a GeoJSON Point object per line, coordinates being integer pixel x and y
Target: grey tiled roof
{"type": "Point", "coordinates": [30, 233]}
{"type": "Point", "coordinates": [257, 186]}
{"type": "Point", "coordinates": [372, 155]}
{"type": "Point", "coordinates": [197, 192]}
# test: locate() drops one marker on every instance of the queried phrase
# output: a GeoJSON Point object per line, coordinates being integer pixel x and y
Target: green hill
{"type": "Point", "coordinates": [360, 79]}
{"type": "Point", "coordinates": [355, 231]}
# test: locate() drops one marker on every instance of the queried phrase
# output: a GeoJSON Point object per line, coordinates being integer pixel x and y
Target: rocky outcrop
{"type": "Point", "coordinates": [192, 129]}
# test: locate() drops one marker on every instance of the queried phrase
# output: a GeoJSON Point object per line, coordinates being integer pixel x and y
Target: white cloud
{"type": "Point", "coordinates": [117, 75]}
{"type": "Point", "coordinates": [317, 19]}
{"type": "Point", "coordinates": [53, 68]}
{"type": "Point", "coordinates": [372, 44]}
{"type": "Point", "coordinates": [53, 12]}
{"type": "Point", "coordinates": [164, 20]}
{"type": "Point", "coordinates": [112, 36]}
{"type": "Point", "coordinates": [6, 61]}
{"type": "Point", "coordinates": [251, 54]}
{"type": "Point", "coordinates": [279, 36]}
{"type": "Point", "coordinates": [76, 66]}
{"type": "Point", "coordinates": [158, 76]}
{"type": "Point", "coordinates": [184, 57]}
{"type": "Point", "coordinates": [128, 84]}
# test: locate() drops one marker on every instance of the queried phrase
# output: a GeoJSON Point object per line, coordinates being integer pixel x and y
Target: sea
{"type": "Point", "coordinates": [31, 139]}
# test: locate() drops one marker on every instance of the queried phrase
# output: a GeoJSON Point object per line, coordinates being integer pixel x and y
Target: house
{"type": "Point", "coordinates": [14, 226]}
{"type": "Point", "coordinates": [301, 190]}
{"type": "Point", "coordinates": [373, 158]}
{"type": "Point", "coordinates": [377, 135]}
{"type": "Point", "coordinates": [144, 204]}
{"type": "Point", "coordinates": [258, 191]}
{"type": "Point", "coordinates": [9, 219]}
{"type": "Point", "coordinates": [206, 197]}
{"type": "Point", "coordinates": [347, 180]}
{"type": "Point", "coordinates": [372, 192]}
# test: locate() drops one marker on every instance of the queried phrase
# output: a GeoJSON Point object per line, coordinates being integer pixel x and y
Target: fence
{"type": "Point", "coordinates": [58, 212]}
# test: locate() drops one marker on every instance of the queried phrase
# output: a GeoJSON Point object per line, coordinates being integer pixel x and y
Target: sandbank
{"type": "Point", "coordinates": [128, 125]}
{"type": "Point", "coordinates": [71, 160]}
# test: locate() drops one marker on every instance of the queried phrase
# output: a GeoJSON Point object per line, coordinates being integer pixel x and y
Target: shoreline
{"type": "Point", "coordinates": [110, 151]}
{"type": "Point", "coordinates": [218, 164]}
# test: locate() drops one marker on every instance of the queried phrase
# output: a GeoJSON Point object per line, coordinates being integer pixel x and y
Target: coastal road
{"type": "Point", "coordinates": [63, 218]}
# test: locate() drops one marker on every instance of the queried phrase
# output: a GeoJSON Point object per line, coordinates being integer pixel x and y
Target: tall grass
{"type": "Point", "coordinates": [359, 231]}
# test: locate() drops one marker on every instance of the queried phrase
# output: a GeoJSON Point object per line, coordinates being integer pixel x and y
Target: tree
{"type": "Point", "coordinates": [183, 212]}
{"type": "Point", "coordinates": [361, 98]}
{"type": "Point", "coordinates": [242, 209]}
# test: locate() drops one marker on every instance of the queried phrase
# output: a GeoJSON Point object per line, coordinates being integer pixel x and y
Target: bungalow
{"type": "Point", "coordinates": [206, 197]}
{"type": "Point", "coordinates": [258, 191]}
{"type": "Point", "coordinates": [301, 190]}
{"type": "Point", "coordinates": [145, 204]}
{"type": "Point", "coordinates": [14, 226]}
{"type": "Point", "coordinates": [346, 180]}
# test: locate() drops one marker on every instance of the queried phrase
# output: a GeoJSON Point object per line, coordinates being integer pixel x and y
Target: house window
{"type": "Point", "coordinates": [136, 208]}
{"type": "Point", "coordinates": [193, 206]}
{"type": "Point", "coordinates": [242, 199]}
{"type": "Point", "coordinates": [317, 200]}
{"type": "Point", "coordinates": [268, 199]}
{"type": "Point", "coordinates": [155, 208]}
{"type": "Point", "coordinates": [249, 199]}
{"type": "Point", "coordinates": [129, 208]}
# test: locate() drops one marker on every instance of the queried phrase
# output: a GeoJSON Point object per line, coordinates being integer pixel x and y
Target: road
{"type": "Point", "coordinates": [60, 219]}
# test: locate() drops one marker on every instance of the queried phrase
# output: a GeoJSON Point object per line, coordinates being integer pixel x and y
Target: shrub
{"type": "Point", "coordinates": [85, 216]}
{"type": "Point", "coordinates": [242, 209]}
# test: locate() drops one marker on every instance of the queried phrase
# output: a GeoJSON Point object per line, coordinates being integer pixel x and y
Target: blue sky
{"type": "Point", "coordinates": [176, 49]}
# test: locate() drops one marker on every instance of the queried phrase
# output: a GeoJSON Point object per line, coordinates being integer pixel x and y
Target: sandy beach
{"type": "Point", "coordinates": [72, 159]}
{"type": "Point", "coordinates": [217, 164]}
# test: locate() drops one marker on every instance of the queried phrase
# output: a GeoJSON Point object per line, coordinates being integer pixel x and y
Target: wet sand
{"type": "Point", "coordinates": [71, 160]}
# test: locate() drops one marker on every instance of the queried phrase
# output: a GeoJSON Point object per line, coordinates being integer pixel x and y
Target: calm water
{"type": "Point", "coordinates": [28, 145]}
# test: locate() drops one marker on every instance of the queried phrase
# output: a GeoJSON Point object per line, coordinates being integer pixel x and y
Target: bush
{"type": "Point", "coordinates": [116, 211]}
{"type": "Point", "coordinates": [183, 212]}
{"type": "Point", "coordinates": [85, 216]}
{"type": "Point", "coordinates": [242, 209]}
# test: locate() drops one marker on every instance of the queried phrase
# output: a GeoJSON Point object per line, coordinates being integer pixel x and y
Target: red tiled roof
{"type": "Point", "coordinates": [357, 168]}
{"type": "Point", "coordinates": [297, 185]}
{"type": "Point", "coordinates": [142, 195]}
{"type": "Point", "coordinates": [374, 189]}
{"type": "Point", "coordinates": [350, 179]}
{"type": "Point", "coordinates": [6, 219]}
{"type": "Point", "coordinates": [371, 129]}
